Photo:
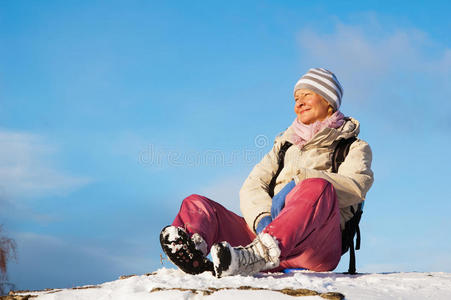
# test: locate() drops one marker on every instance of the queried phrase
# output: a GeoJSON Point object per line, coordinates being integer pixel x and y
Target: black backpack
{"type": "Point", "coordinates": [352, 225]}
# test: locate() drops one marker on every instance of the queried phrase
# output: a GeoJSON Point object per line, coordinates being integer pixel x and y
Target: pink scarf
{"type": "Point", "coordinates": [304, 133]}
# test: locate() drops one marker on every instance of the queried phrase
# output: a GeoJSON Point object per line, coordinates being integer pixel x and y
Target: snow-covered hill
{"type": "Point", "coordinates": [174, 284]}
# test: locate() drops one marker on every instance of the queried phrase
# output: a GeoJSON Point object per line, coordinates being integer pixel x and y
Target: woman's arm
{"type": "Point", "coordinates": [354, 177]}
{"type": "Point", "coordinates": [255, 201]}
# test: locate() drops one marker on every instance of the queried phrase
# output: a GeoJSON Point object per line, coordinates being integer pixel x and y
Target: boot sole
{"type": "Point", "coordinates": [186, 256]}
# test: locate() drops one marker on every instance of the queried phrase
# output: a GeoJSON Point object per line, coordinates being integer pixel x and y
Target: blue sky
{"type": "Point", "coordinates": [111, 112]}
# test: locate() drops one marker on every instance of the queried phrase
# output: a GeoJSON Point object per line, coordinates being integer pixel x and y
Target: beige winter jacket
{"type": "Point", "coordinates": [314, 160]}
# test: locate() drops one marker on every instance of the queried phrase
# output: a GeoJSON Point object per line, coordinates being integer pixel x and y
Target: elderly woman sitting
{"type": "Point", "coordinates": [301, 226]}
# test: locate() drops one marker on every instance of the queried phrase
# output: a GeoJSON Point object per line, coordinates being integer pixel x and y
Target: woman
{"type": "Point", "coordinates": [300, 227]}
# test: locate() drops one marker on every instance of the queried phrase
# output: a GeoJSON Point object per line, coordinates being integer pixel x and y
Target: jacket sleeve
{"type": "Point", "coordinates": [354, 177]}
{"type": "Point", "coordinates": [255, 202]}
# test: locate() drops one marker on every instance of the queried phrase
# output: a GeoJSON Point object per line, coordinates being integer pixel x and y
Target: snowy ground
{"type": "Point", "coordinates": [174, 284]}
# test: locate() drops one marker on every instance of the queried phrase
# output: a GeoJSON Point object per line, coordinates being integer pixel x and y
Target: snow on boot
{"type": "Point", "coordinates": [186, 253]}
{"type": "Point", "coordinates": [262, 254]}
{"type": "Point", "coordinates": [200, 243]}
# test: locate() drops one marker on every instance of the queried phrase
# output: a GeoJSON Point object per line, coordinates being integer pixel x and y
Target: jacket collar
{"type": "Point", "coordinates": [327, 136]}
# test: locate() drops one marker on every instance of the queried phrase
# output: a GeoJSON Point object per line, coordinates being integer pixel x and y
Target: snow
{"type": "Point", "coordinates": [166, 282]}
{"type": "Point", "coordinates": [172, 233]}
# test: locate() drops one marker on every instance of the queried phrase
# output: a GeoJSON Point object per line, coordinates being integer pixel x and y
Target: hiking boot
{"type": "Point", "coordinates": [262, 254]}
{"type": "Point", "coordinates": [186, 253]}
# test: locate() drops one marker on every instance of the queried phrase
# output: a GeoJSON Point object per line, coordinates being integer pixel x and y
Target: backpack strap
{"type": "Point", "coordinates": [280, 162]}
{"type": "Point", "coordinates": [352, 226]}
{"type": "Point", "coordinates": [338, 158]}
{"type": "Point", "coordinates": [340, 152]}
{"type": "Point", "coordinates": [352, 229]}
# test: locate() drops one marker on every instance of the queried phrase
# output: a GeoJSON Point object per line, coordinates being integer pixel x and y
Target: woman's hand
{"type": "Point", "coordinates": [278, 201]}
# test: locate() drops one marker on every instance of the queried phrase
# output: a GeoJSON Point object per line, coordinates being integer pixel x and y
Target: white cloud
{"type": "Point", "coordinates": [27, 168]}
{"type": "Point", "coordinates": [382, 67]}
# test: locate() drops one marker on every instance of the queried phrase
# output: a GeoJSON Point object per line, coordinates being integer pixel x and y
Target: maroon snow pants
{"type": "Point", "coordinates": [307, 228]}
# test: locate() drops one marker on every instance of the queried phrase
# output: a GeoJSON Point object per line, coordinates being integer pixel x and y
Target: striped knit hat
{"type": "Point", "coordinates": [324, 83]}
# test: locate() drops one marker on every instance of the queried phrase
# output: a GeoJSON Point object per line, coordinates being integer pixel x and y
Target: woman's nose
{"type": "Point", "coordinates": [299, 103]}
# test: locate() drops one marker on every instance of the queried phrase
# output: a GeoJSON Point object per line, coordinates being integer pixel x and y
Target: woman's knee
{"type": "Point", "coordinates": [195, 199]}
{"type": "Point", "coordinates": [312, 189]}
{"type": "Point", "coordinates": [198, 203]}
{"type": "Point", "coordinates": [315, 182]}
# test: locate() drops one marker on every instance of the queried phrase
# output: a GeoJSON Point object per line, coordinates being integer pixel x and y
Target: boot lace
{"type": "Point", "coordinates": [250, 258]}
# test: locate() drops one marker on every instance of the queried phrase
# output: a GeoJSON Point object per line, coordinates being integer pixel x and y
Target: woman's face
{"type": "Point", "coordinates": [310, 107]}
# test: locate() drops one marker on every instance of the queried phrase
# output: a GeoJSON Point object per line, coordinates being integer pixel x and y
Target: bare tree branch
{"type": "Point", "coordinates": [7, 252]}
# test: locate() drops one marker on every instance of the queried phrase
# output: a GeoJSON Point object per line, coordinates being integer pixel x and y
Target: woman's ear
{"type": "Point", "coordinates": [330, 110]}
